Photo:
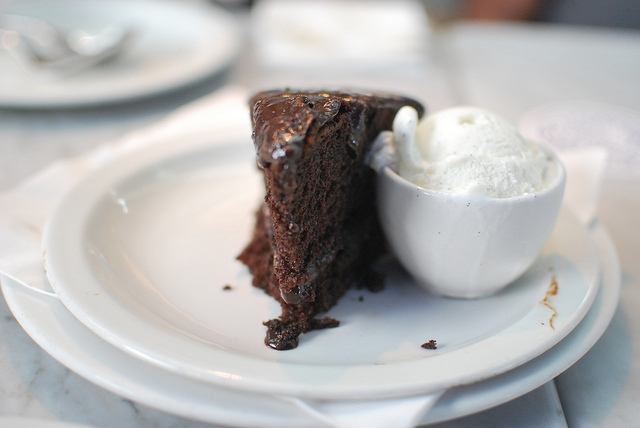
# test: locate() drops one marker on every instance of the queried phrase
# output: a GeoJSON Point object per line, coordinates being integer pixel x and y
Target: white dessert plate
{"type": "Point", "coordinates": [175, 44]}
{"type": "Point", "coordinates": [143, 253]}
{"type": "Point", "coordinates": [59, 333]}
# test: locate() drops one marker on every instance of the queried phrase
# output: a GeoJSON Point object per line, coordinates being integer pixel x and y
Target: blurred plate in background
{"type": "Point", "coordinates": [176, 44]}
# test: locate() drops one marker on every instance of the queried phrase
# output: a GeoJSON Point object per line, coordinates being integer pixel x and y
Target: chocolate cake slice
{"type": "Point", "coordinates": [317, 233]}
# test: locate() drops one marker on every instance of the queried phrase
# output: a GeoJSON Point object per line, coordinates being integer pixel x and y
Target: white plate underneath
{"type": "Point", "coordinates": [59, 333]}
{"type": "Point", "coordinates": [141, 253]}
{"type": "Point", "coordinates": [176, 44]}
{"type": "Point", "coordinates": [18, 422]}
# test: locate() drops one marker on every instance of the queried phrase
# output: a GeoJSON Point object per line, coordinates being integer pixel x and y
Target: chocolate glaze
{"type": "Point", "coordinates": [282, 119]}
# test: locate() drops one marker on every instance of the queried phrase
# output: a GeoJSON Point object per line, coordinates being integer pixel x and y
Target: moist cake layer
{"type": "Point", "coordinates": [317, 233]}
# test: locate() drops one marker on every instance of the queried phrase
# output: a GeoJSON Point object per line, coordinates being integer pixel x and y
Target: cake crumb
{"type": "Point", "coordinates": [322, 323]}
{"type": "Point", "coordinates": [431, 344]}
{"type": "Point", "coordinates": [227, 288]}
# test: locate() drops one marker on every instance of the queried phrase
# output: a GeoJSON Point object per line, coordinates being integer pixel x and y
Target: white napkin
{"type": "Point", "coordinates": [401, 412]}
{"type": "Point", "coordinates": [594, 140]}
{"type": "Point", "coordinates": [342, 34]}
{"type": "Point", "coordinates": [24, 210]}
{"type": "Point", "coordinates": [585, 169]}
{"type": "Point", "coordinates": [576, 125]}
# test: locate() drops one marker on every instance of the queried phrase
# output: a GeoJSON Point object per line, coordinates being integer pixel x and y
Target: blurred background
{"type": "Point", "coordinates": [564, 70]}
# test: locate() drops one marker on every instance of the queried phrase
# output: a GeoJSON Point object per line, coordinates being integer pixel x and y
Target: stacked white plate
{"type": "Point", "coordinates": [150, 302]}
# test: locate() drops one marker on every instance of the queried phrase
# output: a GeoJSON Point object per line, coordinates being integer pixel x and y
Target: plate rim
{"type": "Point", "coordinates": [263, 379]}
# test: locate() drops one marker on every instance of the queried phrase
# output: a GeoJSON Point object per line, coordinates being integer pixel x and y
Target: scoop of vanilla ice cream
{"type": "Point", "coordinates": [468, 150]}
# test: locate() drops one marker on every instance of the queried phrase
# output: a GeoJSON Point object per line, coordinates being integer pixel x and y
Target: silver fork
{"type": "Point", "coordinates": [41, 49]}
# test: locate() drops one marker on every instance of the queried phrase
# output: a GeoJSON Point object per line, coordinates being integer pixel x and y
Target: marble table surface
{"type": "Point", "coordinates": [510, 69]}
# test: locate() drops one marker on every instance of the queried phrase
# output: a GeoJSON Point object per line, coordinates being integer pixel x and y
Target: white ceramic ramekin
{"type": "Point", "coordinates": [467, 246]}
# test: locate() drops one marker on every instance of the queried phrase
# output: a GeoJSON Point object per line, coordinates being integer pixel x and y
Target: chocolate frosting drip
{"type": "Point", "coordinates": [282, 119]}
